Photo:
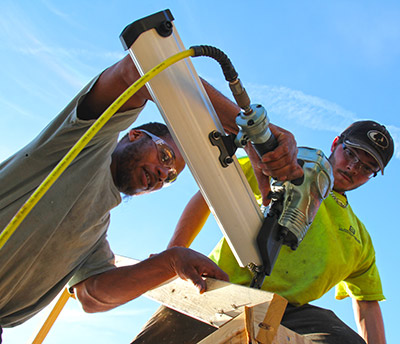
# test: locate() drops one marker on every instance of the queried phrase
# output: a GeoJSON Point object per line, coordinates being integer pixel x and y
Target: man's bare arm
{"type": "Point", "coordinates": [368, 317]}
{"type": "Point", "coordinates": [191, 222]}
{"type": "Point", "coordinates": [115, 287]}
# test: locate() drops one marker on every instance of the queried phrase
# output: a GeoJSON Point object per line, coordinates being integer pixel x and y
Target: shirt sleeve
{"type": "Point", "coordinates": [366, 287]}
{"type": "Point", "coordinates": [101, 260]}
{"type": "Point", "coordinates": [364, 284]}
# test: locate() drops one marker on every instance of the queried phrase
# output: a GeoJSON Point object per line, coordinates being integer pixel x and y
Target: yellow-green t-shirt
{"type": "Point", "coordinates": [337, 250]}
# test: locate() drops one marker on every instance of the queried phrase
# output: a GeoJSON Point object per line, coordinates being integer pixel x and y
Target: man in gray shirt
{"type": "Point", "coordinates": [63, 239]}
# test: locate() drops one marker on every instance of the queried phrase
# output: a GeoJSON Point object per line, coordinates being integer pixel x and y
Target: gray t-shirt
{"type": "Point", "coordinates": [64, 236]}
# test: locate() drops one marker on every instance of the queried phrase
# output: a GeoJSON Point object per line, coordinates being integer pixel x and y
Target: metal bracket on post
{"type": "Point", "coordinates": [226, 146]}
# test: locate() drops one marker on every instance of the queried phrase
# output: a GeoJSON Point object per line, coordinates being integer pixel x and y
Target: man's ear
{"type": "Point", "coordinates": [334, 143]}
{"type": "Point", "coordinates": [134, 134]}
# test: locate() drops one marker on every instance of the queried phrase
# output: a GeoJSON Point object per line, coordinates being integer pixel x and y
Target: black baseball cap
{"type": "Point", "coordinates": [372, 138]}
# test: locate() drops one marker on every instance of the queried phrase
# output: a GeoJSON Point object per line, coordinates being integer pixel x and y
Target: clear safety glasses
{"type": "Point", "coordinates": [353, 158]}
{"type": "Point", "coordinates": [166, 156]}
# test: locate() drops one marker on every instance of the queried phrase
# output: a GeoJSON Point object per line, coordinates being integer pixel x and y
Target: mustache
{"type": "Point", "coordinates": [347, 174]}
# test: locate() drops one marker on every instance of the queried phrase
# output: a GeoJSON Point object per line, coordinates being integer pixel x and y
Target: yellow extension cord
{"type": "Point", "coordinates": [83, 141]}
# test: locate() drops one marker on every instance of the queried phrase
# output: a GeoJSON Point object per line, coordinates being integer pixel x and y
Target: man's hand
{"type": "Point", "coordinates": [191, 265]}
{"type": "Point", "coordinates": [281, 163]}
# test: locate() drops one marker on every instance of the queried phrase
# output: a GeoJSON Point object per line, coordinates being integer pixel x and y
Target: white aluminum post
{"type": "Point", "coordinates": [190, 116]}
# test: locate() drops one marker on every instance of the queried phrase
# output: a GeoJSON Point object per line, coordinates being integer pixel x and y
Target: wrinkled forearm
{"type": "Point", "coordinates": [120, 285]}
{"type": "Point", "coordinates": [115, 287]}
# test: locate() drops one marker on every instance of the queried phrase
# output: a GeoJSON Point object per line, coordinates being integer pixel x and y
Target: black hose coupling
{"type": "Point", "coordinates": [238, 91]}
{"type": "Point", "coordinates": [218, 55]}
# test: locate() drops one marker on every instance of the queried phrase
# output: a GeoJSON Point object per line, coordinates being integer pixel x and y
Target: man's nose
{"type": "Point", "coordinates": [353, 166]}
{"type": "Point", "coordinates": [163, 173]}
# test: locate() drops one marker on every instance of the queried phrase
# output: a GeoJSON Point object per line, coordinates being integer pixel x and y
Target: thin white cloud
{"type": "Point", "coordinates": [306, 110]}
{"type": "Point", "coordinates": [19, 34]}
{"type": "Point", "coordinates": [69, 53]}
{"type": "Point", "coordinates": [309, 111]}
{"type": "Point", "coordinates": [53, 9]}
{"type": "Point", "coordinates": [15, 109]}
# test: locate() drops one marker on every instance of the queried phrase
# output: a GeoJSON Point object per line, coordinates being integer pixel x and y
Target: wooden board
{"type": "Point", "coordinates": [222, 301]}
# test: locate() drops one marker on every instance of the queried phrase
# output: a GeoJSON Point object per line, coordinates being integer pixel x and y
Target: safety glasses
{"type": "Point", "coordinates": [353, 158]}
{"type": "Point", "coordinates": [166, 156]}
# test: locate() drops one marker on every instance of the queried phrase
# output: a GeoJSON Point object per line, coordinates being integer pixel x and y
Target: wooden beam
{"type": "Point", "coordinates": [233, 332]}
{"type": "Point", "coordinates": [263, 320]}
{"type": "Point", "coordinates": [246, 328]}
{"type": "Point", "coordinates": [237, 331]}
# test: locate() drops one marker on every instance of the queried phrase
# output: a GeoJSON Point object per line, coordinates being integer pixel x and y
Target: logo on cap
{"type": "Point", "coordinates": [378, 138]}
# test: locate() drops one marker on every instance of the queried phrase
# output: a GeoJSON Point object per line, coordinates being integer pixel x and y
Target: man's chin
{"type": "Point", "coordinates": [127, 191]}
{"type": "Point", "coordinates": [131, 193]}
{"type": "Point", "coordinates": [343, 187]}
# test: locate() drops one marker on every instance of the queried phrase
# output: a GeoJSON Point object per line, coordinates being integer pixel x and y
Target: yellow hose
{"type": "Point", "coordinates": [83, 141]}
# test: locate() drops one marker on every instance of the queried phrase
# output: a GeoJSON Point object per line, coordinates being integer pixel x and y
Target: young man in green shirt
{"type": "Point", "coordinates": [337, 251]}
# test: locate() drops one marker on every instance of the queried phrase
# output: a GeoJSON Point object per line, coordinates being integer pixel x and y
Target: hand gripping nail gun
{"type": "Point", "coordinates": [293, 207]}
{"type": "Point", "coordinates": [293, 203]}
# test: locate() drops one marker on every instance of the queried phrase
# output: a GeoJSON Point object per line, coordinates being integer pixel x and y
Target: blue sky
{"type": "Point", "coordinates": [315, 66]}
